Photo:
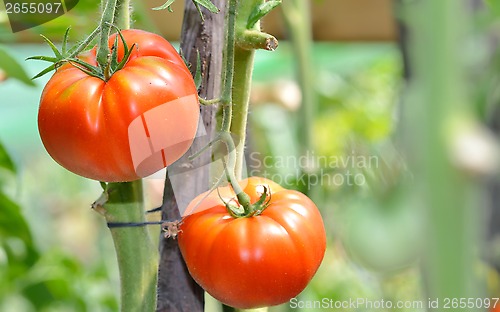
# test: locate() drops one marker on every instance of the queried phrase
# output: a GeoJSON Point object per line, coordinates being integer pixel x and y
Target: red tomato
{"type": "Point", "coordinates": [257, 261]}
{"type": "Point", "coordinates": [139, 121]}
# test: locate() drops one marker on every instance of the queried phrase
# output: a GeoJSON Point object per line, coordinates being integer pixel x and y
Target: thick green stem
{"type": "Point", "coordinates": [107, 19]}
{"type": "Point", "coordinates": [243, 66]}
{"type": "Point", "coordinates": [123, 13]}
{"type": "Point", "coordinates": [136, 254]}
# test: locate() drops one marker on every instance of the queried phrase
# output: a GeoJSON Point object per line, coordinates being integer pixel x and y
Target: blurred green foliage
{"type": "Point", "coordinates": [33, 279]}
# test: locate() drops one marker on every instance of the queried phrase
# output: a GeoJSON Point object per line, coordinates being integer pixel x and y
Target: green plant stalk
{"type": "Point", "coordinates": [107, 19]}
{"type": "Point", "coordinates": [242, 79]}
{"type": "Point", "coordinates": [123, 13]}
{"type": "Point", "coordinates": [297, 18]}
{"type": "Point", "coordinates": [136, 254]}
{"type": "Point", "coordinates": [438, 98]}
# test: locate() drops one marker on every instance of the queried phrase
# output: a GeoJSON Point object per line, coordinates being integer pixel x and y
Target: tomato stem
{"type": "Point", "coordinates": [247, 40]}
{"type": "Point", "coordinates": [241, 43]}
{"type": "Point", "coordinates": [107, 19]}
{"type": "Point", "coordinates": [227, 92]}
{"type": "Point", "coordinates": [123, 13]}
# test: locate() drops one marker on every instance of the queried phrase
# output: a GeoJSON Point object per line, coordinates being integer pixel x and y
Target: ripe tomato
{"type": "Point", "coordinates": [256, 261]}
{"type": "Point", "coordinates": [139, 121]}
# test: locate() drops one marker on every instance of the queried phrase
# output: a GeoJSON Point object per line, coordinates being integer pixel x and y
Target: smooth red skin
{"type": "Point", "coordinates": [253, 262]}
{"type": "Point", "coordinates": [83, 121]}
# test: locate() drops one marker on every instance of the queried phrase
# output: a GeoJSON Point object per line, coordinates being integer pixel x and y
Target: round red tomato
{"type": "Point", "coordinates": [139, 121]}
{"type": "Point", "coordinates": [256, 261]}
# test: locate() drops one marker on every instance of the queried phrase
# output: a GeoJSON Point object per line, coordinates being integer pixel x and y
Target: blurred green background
{"type": "Point", "coordinates": [57, 255]}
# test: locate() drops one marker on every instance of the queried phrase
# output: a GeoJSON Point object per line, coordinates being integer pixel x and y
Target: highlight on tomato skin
{"type": "Point", "coordinates": [257, 261]}
{"type": "Point", "coordinates": [141, 120]}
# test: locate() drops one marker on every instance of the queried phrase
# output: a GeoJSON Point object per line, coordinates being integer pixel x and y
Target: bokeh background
{"type": "Point", "coordinates": [361, 164]}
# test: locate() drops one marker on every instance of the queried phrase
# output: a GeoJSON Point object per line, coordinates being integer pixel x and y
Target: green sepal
{"type": "Point", "coordinates": [53, 47]}
{"type": "Point", "coordinates": [114, 54]}
{"type": "Point", "coordinates": [90, 70]}
{"type": "Point", "coordinates": [44, 58]}
{"type": "Point", "coordinates": [64, 55]}
{"type": "Point", "coordinates": [125, 58]}
{"type": "Point", "coordinates": [45, 71]}
{"type": "Point", "coordinates": [65, 41]}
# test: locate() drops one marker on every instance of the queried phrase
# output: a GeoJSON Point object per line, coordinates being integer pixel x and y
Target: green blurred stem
{"type": "Point", "coordinates": [136, 254]}
{"type": "Point", "coordinates": [298, 22]}
{"type": "Point", "coordinates": [439, 99]}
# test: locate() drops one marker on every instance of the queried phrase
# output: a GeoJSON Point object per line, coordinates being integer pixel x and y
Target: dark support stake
{"type": "Point", "coordinates": [176, 289]}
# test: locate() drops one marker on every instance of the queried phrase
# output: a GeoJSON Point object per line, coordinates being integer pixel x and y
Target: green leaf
{"type": "Point", "coordinates": [12, 68]}
{"type": "Point", "coordinates": [12, 222]}
{"type": "Point", "coordinates": [260, 11]}
{"type": "Point", "coordinates": [5, 160]}
{"type": "Point", "coordinates": [207, 4]}
{"type": "Point", "coordinates": [166, 5]}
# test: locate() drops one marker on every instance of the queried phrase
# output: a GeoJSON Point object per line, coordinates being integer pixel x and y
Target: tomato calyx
{"type": "Point", "coordinates": [64, 55]}
{"type": "Point", "coordinates": [71, 56]}
{"type": "Point", "coordinates": [244, 209]}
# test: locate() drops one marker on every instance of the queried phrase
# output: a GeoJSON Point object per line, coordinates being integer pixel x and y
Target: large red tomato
{"type": "Point", "coordinates": [256, 261]}
{"type": "Point", "coordinates": [139, 121]}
